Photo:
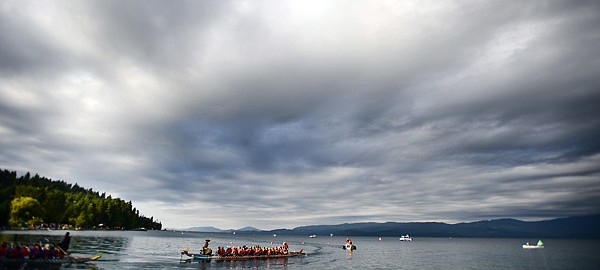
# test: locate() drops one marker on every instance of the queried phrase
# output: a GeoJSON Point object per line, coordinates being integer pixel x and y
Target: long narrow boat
{"type": "Point", "coordinates": [43, 261]}
{"type": "Point", "coordinates": [200, 257]}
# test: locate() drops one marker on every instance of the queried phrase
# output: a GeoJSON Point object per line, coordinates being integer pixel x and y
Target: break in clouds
{"type": "Point", "coordinates": [280, 114]}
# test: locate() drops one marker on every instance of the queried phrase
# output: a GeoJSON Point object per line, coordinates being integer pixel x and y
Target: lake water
{"type": "Point", "coordinates": [161, 250]}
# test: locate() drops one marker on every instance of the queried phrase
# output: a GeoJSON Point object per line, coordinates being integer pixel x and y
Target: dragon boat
{"type": "Point", "coordinates": [48, 261]}
{"type": "Point", "coordinates": [201, 257]}
{"type": "Point", "coordinates": [206, 257]}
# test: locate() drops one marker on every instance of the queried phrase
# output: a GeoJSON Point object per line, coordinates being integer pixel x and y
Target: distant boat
{"type": "Point", "coordinates": [331, 234]}
{"type": "Point", "coordinates": [539, 245]}
{"type": "Point", "coordinates": [405, 238]}
{"type": "Point", "coordinates": [349, 247]}
{"type": "Point", "coordinates": [313, 236]}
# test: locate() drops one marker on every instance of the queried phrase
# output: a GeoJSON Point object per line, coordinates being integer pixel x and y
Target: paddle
{"type": "Point", "coordinates": [59, 248]}
{"type": "Point", "coordinates": [91, 259]}
{"type": "Point", "coordinates": [63, 251]}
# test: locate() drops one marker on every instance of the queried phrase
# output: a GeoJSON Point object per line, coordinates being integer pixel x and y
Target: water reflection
{"type": "Point", "coordinates": [272, 263]}
{"type": "Point", "coordinates": [106, 245]}
{"type": "Point", "coordinates": [162, 250]}
{"type": "Point", "coordinates": [349, 255]}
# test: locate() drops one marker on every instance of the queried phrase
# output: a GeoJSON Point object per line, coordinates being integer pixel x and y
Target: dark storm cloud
{"type": "Point", "coordinates": [324, 112]}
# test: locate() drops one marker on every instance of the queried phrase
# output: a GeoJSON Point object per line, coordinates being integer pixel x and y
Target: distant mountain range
{"type": "Point", "coordinates": [572, 227]}
{"type": "Point", "coordinates": [217, 230]}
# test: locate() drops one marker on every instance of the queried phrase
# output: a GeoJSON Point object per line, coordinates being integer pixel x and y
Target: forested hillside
{"type": "Point", "coordinates": [36, 201]}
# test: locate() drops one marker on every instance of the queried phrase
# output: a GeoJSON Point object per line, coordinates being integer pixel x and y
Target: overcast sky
{"type": "Point", "coordinates": [277, 114]}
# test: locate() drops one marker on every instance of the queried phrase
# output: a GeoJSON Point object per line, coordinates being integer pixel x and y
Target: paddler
{"type": "Point", "coordinates": [205, 249]}
{"type": "Point", "coordinates": [64, 244]}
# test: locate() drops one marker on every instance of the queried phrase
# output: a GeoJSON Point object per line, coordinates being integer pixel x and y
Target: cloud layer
{"type": "Point", "coordinates": [279, 114]}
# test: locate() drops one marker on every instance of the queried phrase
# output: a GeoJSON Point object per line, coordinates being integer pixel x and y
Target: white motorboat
{"type": "Point", "coordinates": [539, 245]}
{"type": "Point", "coordinates": [405, 238]}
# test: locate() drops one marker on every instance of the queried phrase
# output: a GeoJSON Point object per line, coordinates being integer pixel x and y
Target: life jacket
{"type": "Point", "coordinates": [15, 253]}
{"type": "Point", "coordinates": [24, 251]}
{"type": "Point", "coordinates": [34, 252]}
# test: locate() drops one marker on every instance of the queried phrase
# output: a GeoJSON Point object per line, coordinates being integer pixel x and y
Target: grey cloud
{"type": "Point", "coordinates": [446, 112]}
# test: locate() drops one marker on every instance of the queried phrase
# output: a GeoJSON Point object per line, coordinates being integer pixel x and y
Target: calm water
{"type": "Point", "coordinates": [161, 250]}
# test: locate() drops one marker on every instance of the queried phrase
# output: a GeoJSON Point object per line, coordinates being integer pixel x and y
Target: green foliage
{"type": "Point", "coordinates": [25, 211]}
{"type": "Point", "coordinates": [57, 202]}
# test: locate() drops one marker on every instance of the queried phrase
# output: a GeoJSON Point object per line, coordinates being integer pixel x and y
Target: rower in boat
{"type": "Point", "coordinates": [349, 246]}
{"type": "Point", "coordinates": [17, 254]}
{"type": "Point", "coordinates": [205, 249]}
{"type": "Point", "coordinates": [64, 244]}
{"type": "Point", "coordinates": [244, 253]}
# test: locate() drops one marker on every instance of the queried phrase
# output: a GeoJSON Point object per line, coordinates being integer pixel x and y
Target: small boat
{"type": "Point", "coordinates": [202, 257]}
{"type": "Point", "coordinates": [349, 247]}
{"type": "Point", "coordinates": [49, 261]}
{"type": "Point", "coordinates": [405, 238]}
{"type": "Point", "coordinates": [313, 236]}
{"type": "Point", "coordinates": [539, 245]}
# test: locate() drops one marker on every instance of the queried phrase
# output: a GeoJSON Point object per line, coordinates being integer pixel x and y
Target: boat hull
{"type": "Point", "coordinates": [532, 247]}
{"type": "Point", "coordinates": [199, 257]}
{"type": "Point", "coordinates": [349, 247]}
{"type": "Point", "coordinates": [42, 261]}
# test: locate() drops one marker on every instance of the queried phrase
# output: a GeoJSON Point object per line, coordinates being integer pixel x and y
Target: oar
{"type": "Point", "coordinates": [63, 251]}
{"type": "Point", "coordinates": [56, 245]}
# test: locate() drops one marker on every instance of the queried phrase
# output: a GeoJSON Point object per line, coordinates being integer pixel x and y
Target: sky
{"type": "Point", "coordinates": [278, 114]}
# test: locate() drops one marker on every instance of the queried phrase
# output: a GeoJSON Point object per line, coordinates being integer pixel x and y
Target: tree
{"type": "Point", "coordinates": [55, 207]}
{"type": "Point", "coordinates": [60, 202]}
{"type": "Point", "coordinates": [25, 211]}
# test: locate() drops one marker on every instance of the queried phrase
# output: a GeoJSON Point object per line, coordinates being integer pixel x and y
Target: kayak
{"type": "Point", "coordinates": [66, 259]}
{"type": "Point", "coordinates": [201, 257]}
{"type": "Point", "coordinates": [349, 247]}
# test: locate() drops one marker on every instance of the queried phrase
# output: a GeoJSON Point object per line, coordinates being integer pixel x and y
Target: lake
{"type": "Point", "coordinates": [161, 250]}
